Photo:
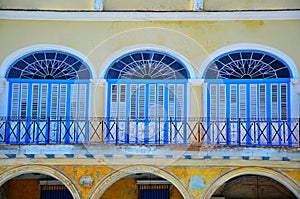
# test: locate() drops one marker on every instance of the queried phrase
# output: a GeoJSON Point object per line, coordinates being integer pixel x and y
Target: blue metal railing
{"type": "Point", "coordinates": [160, 131]}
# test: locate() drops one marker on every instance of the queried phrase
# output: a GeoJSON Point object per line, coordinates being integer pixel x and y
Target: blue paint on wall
{"type": "Point", "coordinates": [197, 183]}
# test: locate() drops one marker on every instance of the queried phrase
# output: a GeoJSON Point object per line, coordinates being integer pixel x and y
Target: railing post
{"type": "Point", "coordinates": [60, 130]}
{"type": "Point", "coordinates": [239, 132]}
{"type": "Point", "coordinates": [170, 138]}
{"type": "Point", "coordinates": [48, 130]}
{"type": "Point", "coordinates": [158, 130]}
{"type": "Point", "coordinates": [228, 137]}
{"type": "Point", "coordinates": [298, 132]}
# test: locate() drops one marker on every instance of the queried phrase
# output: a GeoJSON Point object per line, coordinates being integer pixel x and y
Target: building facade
{"type": "Point", "coordinates": [149, 99]}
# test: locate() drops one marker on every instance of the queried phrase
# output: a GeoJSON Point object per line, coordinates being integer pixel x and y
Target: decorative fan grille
{"type": "Point", "coordinates": [49, 65]}
{"type": "Point", "coordinates": [147, 65]}
{"type": "Point", "coordinates": [247, 65]}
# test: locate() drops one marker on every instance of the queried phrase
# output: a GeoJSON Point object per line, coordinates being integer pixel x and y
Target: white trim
{"type": "Point", "coordinates": [198, 5]}
{"type": "Point", "coordinates": [107, 62]}
{"type": "Point", "coordinates": [23, 51]}
{"type": "Point", "coordinates": [98, 5]}
{"type": "Point", "coordinates": [148, 16]}
{"type": "Point", "coordinates": [249, 46]}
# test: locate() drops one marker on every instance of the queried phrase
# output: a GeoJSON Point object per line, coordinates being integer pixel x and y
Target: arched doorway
{"type": "Point", "coordinates": [39, 182]}
{"type": "Point", "coordinates": [253, 187]}
{"type": "Point", "coordinates": [146, 91]}
{"type": "Point", "coordinates": [34, 186]}
{"type": "Point", "coordinates": [248, 96]}
{"type": "Point", "coordinates": [252, 181]}
{"type": "Point", "coordinates": [133, 178]}
{"type": "Point", "coordinates": [142, 186]}
{"type": "Point", "coordinates": [48, 91]}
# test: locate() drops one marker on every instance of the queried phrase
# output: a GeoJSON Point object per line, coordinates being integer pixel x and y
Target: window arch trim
{"type": "Point", "coordinates": [216, 59]}
{"type": "Point", "coordinates": [65, 65]}
{"type": "Point", "coordinates": [135, 62]}
{"type": "Point", "coordinates": [10, 59]}
{"type": "Point", "coordinates": [294, 73]}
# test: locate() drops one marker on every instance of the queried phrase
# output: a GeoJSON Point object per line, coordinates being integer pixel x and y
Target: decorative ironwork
{"type": "Point", "coordinates": [247, 65]}
{"type": "Point", "coordinates": [147, 65]}
{"type": "Point", "coordinates": [203, 131]}
{"type": "Point", "coordinates": [49, 65]}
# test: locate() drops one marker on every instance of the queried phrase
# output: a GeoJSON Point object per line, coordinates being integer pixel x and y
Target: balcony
{"type": "Point", "coordinates": [150, 131]}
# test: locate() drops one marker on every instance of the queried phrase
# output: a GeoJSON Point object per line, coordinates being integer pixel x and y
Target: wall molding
{"type": "Point", "coordinates": [148, 16]}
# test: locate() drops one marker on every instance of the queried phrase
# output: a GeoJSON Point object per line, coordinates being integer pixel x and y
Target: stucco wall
{"type": "Point", "coordinates": [194, 41]}
{"type": "Point", "coordinates": [250, 4]}
{"type": "Point", "coordinates": [157, 5]}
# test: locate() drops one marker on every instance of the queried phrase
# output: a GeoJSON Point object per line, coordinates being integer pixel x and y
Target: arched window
{"type": "Point", "coordinates": [46, 84]}
{"type": "Point", "coordinates": [249, 86]}
{"type": "Point", "coordinates": [144, 86]}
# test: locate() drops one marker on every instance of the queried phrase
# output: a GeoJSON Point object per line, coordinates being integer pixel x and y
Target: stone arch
{"type": "Point", "coordinates": [9, 60]}
{"type": "Point", "coordinates": [103, 185]}
{"type": "Point", "coordinates": [9, 174]}
{"type": "Point", "coordinates": [289, 183]}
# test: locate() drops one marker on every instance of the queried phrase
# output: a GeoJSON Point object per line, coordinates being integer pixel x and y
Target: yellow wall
{"type": "Point", "coordinates": [159, 5]}
{"type": "Point", "coordinates": [250, 4]}
{"type": "Point", "coordinates": [48, 5]}
{"type": "Point", "coordinates": [194, 40]}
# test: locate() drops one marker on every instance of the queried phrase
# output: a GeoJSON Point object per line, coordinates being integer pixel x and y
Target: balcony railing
{"type": "Point", "coordinates": [101, 130]}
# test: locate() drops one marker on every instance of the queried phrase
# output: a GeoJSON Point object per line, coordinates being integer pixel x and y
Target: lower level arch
{"type": "Point", "coordinates": [290, 184]}
{"type": "Point", "coordinates": [103, 185]}
{"type": "Point", "coordinates": [11, 173]}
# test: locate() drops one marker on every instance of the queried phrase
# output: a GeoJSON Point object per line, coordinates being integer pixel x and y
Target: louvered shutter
{"type": "Point", "coordinates": [283, 102]}
{"type": "Point", "coordinates": [171, 103]}
{"type": "Point", "coordinates": [180, 100]}
{"type": "Point", "coordinates": [161, 99]}
{"type": "Point", "coordinates": [262, 101]}
{"type": "Point", "coordinates": [213, 101]}
{"type": "Point", "coordinates": [233, 101]}
{"type": "Point", "coordinates": [122, 105]}
{"type": "Point", "coordinates": [54, 101]}
{"type": "Point", "coordinates": [243, 101]}
{"type": "Point", "coordinates": [44, 100]}
{"type": "Point", "coordinates": [114, 101]}
{"type": "Point", "coordinates": [133, 101]}
{"type": "Point", "coordinates": [82, 100]}
{"type": "Point", "coordinates": [35, 101]}
{"type": "Point", "coordinates": [24, 100]}
{"type": "Point", "coordinates": [222, 101]}
{"type": "Point", "coordinates": [74, 99]}
{"type": "Point", "coordinates": [15, 100]}
{"type": "Point", "coordinates": [274, 101]}
{"type": "Point", "coordinates": [152, 100]}
{"type": "Point", "coordinates": [63, 101]}
{"type": "Point", "coordinates": [141, 100]}
{"type": "Point", "coordinates": [253, 101]}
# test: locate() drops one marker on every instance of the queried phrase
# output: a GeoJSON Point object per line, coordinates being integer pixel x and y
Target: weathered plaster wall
{"type": "Point", "coordinates": [195, 41]}
{"type": "Point", "coordinates": [197, 179]}
{"type": "Point", "coordinates": [48, 5]}
{"type": "Point", "coordinates": [250, 4]}
{"type": "Point", "coordinates": [160, 5]}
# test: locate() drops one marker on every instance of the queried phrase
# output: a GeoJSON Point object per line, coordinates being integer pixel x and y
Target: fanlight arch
{"type": "Point", "coordinates": [49, 64]}
{"type": "Point", "coordinates": [247, 64]}
{"type": "Point", "coordinates": [147, 65]}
